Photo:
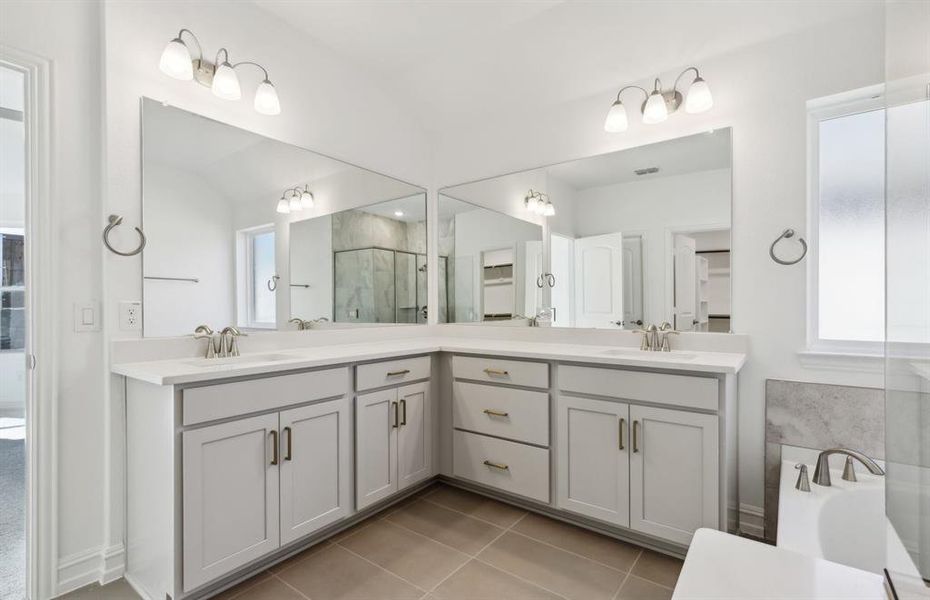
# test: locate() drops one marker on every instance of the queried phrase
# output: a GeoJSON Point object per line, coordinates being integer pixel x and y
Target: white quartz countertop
{"type": "Point", "coordinates": [721, 566]}
{"type": "Point", "coordinates": [194, 370]}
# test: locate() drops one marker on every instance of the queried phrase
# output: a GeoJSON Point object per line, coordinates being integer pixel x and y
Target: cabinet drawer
{"type": "Point", "coordinates": [213, 402]}
{"type": "Point", "coordinates": [661, 388]}
{"type": "Point", "coordinates": [514, 372]}
{"type": "Point", "coordinates": [515, 414]}
{"type": "Point", "coordinates": [508, 466]}
{"type": "Point", "coordinates": [389, 372]}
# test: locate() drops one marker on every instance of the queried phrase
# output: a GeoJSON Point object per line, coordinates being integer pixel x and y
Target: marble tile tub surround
{"type": "Point", "coordinates": [817, 416]}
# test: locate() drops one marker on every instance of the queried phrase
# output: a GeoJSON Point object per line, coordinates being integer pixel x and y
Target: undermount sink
{"type": "Point", "coordinates": [635, 352]}
{"type": "Point", "coordinates": [237, 361]}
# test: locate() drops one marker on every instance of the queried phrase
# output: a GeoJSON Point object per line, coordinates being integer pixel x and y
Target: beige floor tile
{"type": "Point", "coordinates": [553, 569]}
{"type": "Point", "coordinates": [298, 557]}
{"type": "Point", "coordinates": [337, 574]}
{"type": "Point", "coordinates": [447, 526]}
{"type": "Point", "coordinates": [658, 568]}
{"type": "Point", "coordinates": [413, 557]}
{"type": "Point", "coordinates": [270, 589]}
{"type": "Point", "coordinates": [478, 581]}
{"type": "Point", "coordinates": [117, 590]}
{"type": "Point", "coordinates": [477, 506]}
{"type": "Point", "coordinates": [595, 546]}
{"type": "Point", "coordinates": [635, 588]}
{"type": "Point", "coordinates": [241, 587]}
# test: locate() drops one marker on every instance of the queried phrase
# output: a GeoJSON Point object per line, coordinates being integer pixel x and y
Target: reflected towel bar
{"type": "Point", "coordinates": [190, 279]}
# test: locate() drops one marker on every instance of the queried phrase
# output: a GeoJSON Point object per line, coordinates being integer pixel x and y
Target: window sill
{"type": "Point", "coordinates": [834, 360]}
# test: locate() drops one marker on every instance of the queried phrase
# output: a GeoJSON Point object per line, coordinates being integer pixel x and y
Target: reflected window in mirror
{"type": "Point", "coordinates": [256, 279]}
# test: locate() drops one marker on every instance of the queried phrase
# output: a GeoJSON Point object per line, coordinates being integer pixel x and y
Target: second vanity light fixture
{"type": "Point", "coordinates": [659, 103]}
{"type": "Point", "coordinates": [295, 200]}
{"type": "Point", "coordinates": [537, 202]}
{"type": "Point", "coordinates": [219, 76]}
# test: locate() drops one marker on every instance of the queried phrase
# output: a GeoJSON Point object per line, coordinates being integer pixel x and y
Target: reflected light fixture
{"type": "Point", "coordinates": [294, 200]}
{"type": "Point", "coordinates": [398, 213]}
{"type": "Point", "coordinates": [538, 203]}
{"type": "Point", "coordinates": [219, 76]}
{"type": "Point", "coordinates": [659, 103]}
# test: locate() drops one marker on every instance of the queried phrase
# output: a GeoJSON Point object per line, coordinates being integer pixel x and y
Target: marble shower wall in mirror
{"type": "Point", "coordinates": [220, 250]}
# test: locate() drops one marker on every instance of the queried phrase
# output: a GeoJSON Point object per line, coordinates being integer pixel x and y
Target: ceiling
{"type": "Point", "coordinates": [453, 61]}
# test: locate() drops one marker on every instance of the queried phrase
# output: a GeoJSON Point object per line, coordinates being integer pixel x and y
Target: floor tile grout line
{"type": "Point", "coordinates": [573, 553]}
{"type": "Point", "coordinates": [521, 578]}
{"type": "Point", "coordinates": [301, 594]}
{"type": "Point", "coordinates": [616, 595]}
{"type": "Point", "coordinates": [255, 579]}
{"type": "Point", "coordinates": [426, 537]}
{"type": "Point", "coordinates": [441, 505]}
{"type": "Point", "coordinates": [388, 571]}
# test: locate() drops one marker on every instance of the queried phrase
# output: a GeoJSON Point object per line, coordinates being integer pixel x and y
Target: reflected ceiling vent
{"type": "Point", "coordinates": [647, 171]}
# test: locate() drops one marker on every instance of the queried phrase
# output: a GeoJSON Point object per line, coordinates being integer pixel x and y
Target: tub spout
{"type": "Point", "coordinates": [822, 471]}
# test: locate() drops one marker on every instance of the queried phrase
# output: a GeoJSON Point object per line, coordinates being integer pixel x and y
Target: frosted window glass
{"type": "Point", "coordinates": [262, 272]}
{"type": "Point", "coordinates": [851, 301]}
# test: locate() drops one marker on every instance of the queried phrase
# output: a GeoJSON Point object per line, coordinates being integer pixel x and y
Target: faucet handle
{"type": "Point", "coordinates": [849, 471]}
{"type": "Point", "coordinates": [803, 483]}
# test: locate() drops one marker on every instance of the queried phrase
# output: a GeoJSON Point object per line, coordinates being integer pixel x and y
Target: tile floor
{"type": "Point", "coordinates": [449, 544]}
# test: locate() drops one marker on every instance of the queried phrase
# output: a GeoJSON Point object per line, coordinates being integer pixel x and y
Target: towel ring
{"type": "Point", "coordinates": [545, 278]}
{"type": "Point", "coordinates": [116, 220]}
{"type": "Point", "coordinates": [272, 284]}
{"type": "Point", "coordinates": [788, 233]}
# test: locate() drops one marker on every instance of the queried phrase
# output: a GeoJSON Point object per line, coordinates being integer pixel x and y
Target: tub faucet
{"type": "Point", "coordinates": [822, 471]}
{"type": "Point", "coordinates": [803, 483]}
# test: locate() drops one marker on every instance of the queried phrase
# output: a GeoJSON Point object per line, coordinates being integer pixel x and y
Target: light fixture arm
{"type": "Point", "coordinates": [254, 64]}
{"type": "Point", "coordinates": [697, 74]}
{"type": "Point", "coordinates": [624, 88]}
{"type": "Point", "coordinates": [225, 54]}
{"type": "Point", "coordinates": [193, 37]}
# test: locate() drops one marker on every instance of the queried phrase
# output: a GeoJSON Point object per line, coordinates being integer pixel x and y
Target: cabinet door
{"type": "Point", "coordinates": [376, 423]}
{"type": "Point", "coordinates": [673, 473]}
{"type": "Point", "coordinates": [413, 435]}
{"type": "Point", "coordinates": [315, 467]}
{"type": "Point", "coordinates": [594, 458]}
{"type": "Point", "coordinates": [230, 496]}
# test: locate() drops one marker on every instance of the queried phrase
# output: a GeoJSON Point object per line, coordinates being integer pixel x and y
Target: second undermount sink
{"type": "Point", "coordinates": [646, 354]}
{"type": "Point", "coordinates": [237, 361]}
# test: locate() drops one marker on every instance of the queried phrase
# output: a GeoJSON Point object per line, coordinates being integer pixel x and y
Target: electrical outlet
{"type": "Point", "coordinates": [130, 315]}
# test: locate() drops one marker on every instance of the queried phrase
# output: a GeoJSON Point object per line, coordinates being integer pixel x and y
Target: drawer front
{"type": "Point", "coordinates": [514, 414]}
{"type": "Point", "coordinates": [514, 372]}
{"type": "Point", "coordinates": [508, 466]}
{"type": "Point", "coordinates": [674, 390]}
{"type": "Point", "coordinates": [391, 372]}
{"type": "Point", "coordinates": [225, 400]}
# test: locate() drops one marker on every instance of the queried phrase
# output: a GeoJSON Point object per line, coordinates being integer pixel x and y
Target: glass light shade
{"type": "Point", "coordinates": [176, 61]}
{"type": "Point", "coordinates": [283, 207]}
{"type": "Point", "coordinates": [548, 210]}
{"type": "Point", "coordinates": [226, 83]}
{"type": "Point", "coordinates": [698, 99]}
{"type": "Point", "coordinates": [266, 99]}
{"type": "Point", "coordinates": [306, 199]}
{"type": "Point", "coordinates": [295, 204]}
{"type": "Point", "coordinates": [398, 213]}
{"type": "Point", "coordinates": [616, 118]}
{"type": "Point", "coordinates": [655, 111]}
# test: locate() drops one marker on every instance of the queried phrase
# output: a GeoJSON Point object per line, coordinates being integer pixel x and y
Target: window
{"type": "Point", "coordinates": [256, 266]}
{"type": "Point", "coordinates": [12, 291]}
{"type": "Point", "coordinates": [847, 267]}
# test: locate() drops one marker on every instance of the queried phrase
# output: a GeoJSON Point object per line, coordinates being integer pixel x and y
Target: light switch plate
{"type": "Point", "coordinates": [87, 316]}
{"type": "Point", "coordinates": [130, 315]}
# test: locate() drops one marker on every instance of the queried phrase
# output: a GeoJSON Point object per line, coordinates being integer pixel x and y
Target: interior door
{"type": "Point", "coordinates": [685, 282]}
{"type": "Point", "coordinates": [633, 282]}
{"type": "Point", "coordinates": [594, 458]}
{"type": "Point", "coordinates": [599, 281]}
{"type": "Point", "coordinates": [673, 473]}
{"type": "Point", "coordinates": [315, 467]}
{"type": "Point", "coordinates": [230, 478]}
{"type": "Point", "coordinates": [376, 422]}
{"type": "Point", "coordinates": [562, 250]}
{"type": "Point", "coordinates": [413, 435]}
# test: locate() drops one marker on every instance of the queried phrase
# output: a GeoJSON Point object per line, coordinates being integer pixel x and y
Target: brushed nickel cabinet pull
{"type": "Point", "coordinates": [635, 436]}
{"type": "Point", "coordinates": [395, 415]}
{"type": "Point", "coordinates": [495, 413]}
{"type": "Point", "coordinates": [403, 412]}
{"type": "Point", "coordinates": [495, 465]}
{"type": "Point", "coordinates": [622, 424]}
{"type": "Point", "coordinates": [500, 372]}
{"type": "Point", "coordinates": [396, 373]}
{"type": "Point", "coordinates": [274, 447]}
{"type": "Point", "coordinates": [287, 430]}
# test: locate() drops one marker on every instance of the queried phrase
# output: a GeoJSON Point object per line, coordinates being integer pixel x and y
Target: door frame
{"type": "Point", "coordinates": [645, 240]}
{"type": "Point", "coordinates": [41, 381]}
{"type": "Point", "coordinates": [670, 233]}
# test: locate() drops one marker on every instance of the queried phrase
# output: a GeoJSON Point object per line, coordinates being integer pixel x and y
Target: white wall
{"type": "Point", "coordinates": [311, 263]}
{"type": "Point", "coordinates": [760, 91]}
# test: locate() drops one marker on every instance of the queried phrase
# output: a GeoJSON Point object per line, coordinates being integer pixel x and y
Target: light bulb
{"type": "Point", "coordinates": [306, 199]}
{"type": "Point", "coordinates": [295, 204]}
{"type": "Point", "coordinates": [283, 206]}
{"type": "Point", "coordinates": [398, 213]}
{"type": "Point", "coordinates": [226, 83]}
{"type": "Point", "coordinates": [699, 98]}
{"type": "Point", "coordinates": [540, 205]}
{"type": "Point", "coordinates": [655, 111]}
{"type": "Point", "coordinates": [548, 210]}
{"type": "Point", "coordinates": [266, 99]}
{"type": "Point", "coordinates": [176, 60]}
{"type": "Point", "coordinates": [616, 118]}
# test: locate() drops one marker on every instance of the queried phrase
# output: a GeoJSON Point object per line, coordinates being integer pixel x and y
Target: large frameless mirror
{"type": "Point", "coordinates": [249, 231]}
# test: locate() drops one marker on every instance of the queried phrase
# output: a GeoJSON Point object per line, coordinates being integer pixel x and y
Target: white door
{"type": "Point", "coordinates": [413, 435]}
{"type": "Point", "coordinates": [562, 250]}
{"type": "Point", "coordinates": [673, 473]}
{"type": "Point", "coordinates": [532, 295]}
{"type": "Point", "coordinates": [376, 422]}
{"type": "Point", "coordinates": [685, 282]}
{"type": "Point", "coordinates": [599, 281]}
{"type": "Point", "coordinates": [633, 282]}
{"type": "Point", "coordinates": [230, 478]}
{"type": "Point", "coordinates": [594, 458]}
{"type": "Point", "coordinates": [315, 467]}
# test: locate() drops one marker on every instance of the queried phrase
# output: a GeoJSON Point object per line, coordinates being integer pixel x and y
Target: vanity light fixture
{"type": "Point", "coordinates": [659, 103]}
{"type": "Point", "coordinates": [294, 200]}
{"type": "Point", "coordinates": [538, 203]}
{"type": "Point", "coordinates": [219, 76]}
{"type": "Point", "coordinates": [398, 213]}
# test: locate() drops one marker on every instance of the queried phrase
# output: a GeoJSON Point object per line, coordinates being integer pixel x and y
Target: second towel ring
{"type": "Point", "coordinates": [786, 234]}
{"type": "Point", "coordinates": [115, 220]}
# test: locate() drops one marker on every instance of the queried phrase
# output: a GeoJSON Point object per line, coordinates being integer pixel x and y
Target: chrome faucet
{"type": "Point", "coordinates": [650, 342]}
{"type": "Point", "coordinates": [229, 341]}
{"type": "Point", "coordinates": [803, 483]}
{"type": "Point", "coordinates": [822, 470]}
{"type": "Point", "coordinates": [666, 330]}
{"type": "Point", "coordinates": [205, 332]}
{"type": "Point", "coordinates": [301, 324]}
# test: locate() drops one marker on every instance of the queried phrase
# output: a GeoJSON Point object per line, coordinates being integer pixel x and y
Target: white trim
{"type": "Point", "coordinates": [842, 361]}
{"type": "Point", "coordinates": [41, 337]}
{"type": "Point", "coordinates": [96, 565]}
{"type": "Point", "coordinates": [112, 563]}
{"type": "Point", "coordinates": [670, 233]}
{"type": "Point", "coordinates": [751, 520]}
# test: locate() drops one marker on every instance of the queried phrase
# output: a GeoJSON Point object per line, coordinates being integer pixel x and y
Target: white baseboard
{"type": "Point", "coordinates": [752, 520]}
{"type": "Point", "coordinates": [96, 565]}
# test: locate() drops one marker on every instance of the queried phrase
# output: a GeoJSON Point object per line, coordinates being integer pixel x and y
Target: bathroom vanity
{"type": "Point", "coordinates": [233, 464]}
